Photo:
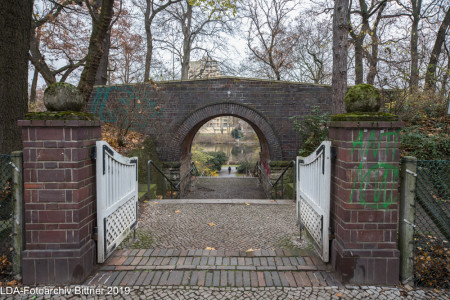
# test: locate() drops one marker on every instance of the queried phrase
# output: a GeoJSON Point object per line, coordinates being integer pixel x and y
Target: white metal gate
{"type": "Point", "coordinates": [313, 196]}
{"type": "Point", "coordinates": [117, 198]}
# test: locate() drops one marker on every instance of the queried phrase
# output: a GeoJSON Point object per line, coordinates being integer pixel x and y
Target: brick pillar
{"type": "Point", "coordinates": [59, 196]}
{"type": "Point", "coordinates": [365, 201]}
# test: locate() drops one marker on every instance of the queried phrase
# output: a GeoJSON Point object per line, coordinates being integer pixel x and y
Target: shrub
{"type": "Point", "coordinates": [415, 142]}
{"type": "Point", "coordinates": [312, 129]}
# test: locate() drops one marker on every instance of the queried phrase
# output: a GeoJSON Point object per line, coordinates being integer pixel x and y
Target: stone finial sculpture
{"type": "Point", "coordinates": [63, 96]}
{"type": "Point", "coordinates": [362, 98]}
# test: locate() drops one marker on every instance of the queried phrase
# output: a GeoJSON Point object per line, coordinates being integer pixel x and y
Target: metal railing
{"type": "Point", "coordinates": [273, 191]}
{"type": "Point", "coordinates": [173, 186]}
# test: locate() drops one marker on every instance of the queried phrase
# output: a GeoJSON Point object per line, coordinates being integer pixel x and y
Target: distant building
{"type": "Point", "coordinates": [204, 68]}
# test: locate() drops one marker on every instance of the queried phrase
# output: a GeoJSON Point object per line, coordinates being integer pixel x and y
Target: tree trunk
{"type": "Point", "coordinates": [101, 77]}
{"type": "Point", "coordinates": [414, 77]}
{"type": "Point", "coordinates": [38, 61]}
{"type": "Point", "coordinates": [149, 35]}
{"type": "Point", "coordinates": [340, 32]}
{"type": "Point", "coordinates": [359, 54]}
{"type": "Point", "coordinates": [34, 86]}
{"type": "Point", "coordinates": [15, 26]}
{"type": "Point", "coordinates": [100, 28]}
{"type": "Point", "coordinates": [187, 43]}
{"type": "Point", "coordinates": [430, 80]}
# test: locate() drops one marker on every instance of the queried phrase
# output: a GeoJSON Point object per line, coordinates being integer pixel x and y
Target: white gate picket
{"type": "Point", "coordinates": [313, 196]}
{"type": "Point", "coordinates": [117, 198]}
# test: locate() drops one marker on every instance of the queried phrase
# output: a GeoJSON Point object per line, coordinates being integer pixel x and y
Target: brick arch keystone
{"type": "Point", "coordinates": [182, 138]}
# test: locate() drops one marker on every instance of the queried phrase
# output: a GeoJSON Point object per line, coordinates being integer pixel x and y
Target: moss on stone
{"type": "Point", "coordinates": [51, 89]}
{"type": "Point", "coordinates": [365, 116]}
{"type": "Point", "coordinates": [60, 115]}
{"type": "Point", "coordinates": [362, 97]}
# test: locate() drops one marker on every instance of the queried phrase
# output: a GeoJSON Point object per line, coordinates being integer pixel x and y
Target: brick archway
{"type": "Point", "coordinates": [182, 138]}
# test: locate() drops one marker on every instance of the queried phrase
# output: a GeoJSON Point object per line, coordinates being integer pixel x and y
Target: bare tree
{"type": "Point", "coordinates": [366, 13]}
{"type": "Point", "coordinates": [340, 34]}
{"type": "Point", "coordinates": [268, 37]}
{"type": "Point", "coordinates": [430, 80]}
{"type": "Point", "coordinates": [100, 29]}
{"type": "Point", "coordinates": [190, 30]}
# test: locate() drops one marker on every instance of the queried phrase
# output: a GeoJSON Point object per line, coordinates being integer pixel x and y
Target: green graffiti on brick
{"type": "Point", "coordinates": [372, 178]}
{"type": "Point", "coordinates": [129, 100]}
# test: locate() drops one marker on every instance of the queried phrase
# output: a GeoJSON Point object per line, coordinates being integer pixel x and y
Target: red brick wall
{"type": "Point", "coordinates": [59, 196]}
{"type": "Point", "coordinates": [364, 201]}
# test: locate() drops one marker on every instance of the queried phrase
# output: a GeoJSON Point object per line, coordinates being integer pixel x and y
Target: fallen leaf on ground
{"type": "Point", "coordinates": [272, 200]}
{"type": "Point", "coordinates": [250, 250]}
{"type": "Point", "coordinates": [178, 211]}
{"type": "Point", "coordinates": [247, 203]}
{"type": "Point", "coordinates": [339, 295]}
{"type": "Point", "coordinates": [145, 201]}
{"type": "Point", "coordinates": [210, 248]}
{"type": "Point", "coordinates": [211, 224]}
{"type": "Point", "coordinates": [155, 202]}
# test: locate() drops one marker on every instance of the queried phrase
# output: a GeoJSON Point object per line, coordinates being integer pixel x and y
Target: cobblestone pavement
{"type": "Point", "coordinates": [264, 293]}
{"type": "Point", "coordinates": [221, 226]}
{"type": "Point", "coordinates": [225, 188]}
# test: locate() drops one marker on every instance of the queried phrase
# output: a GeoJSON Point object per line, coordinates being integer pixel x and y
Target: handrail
{"type": "Point", "coordinates": [176, 187]}
{"type": "Point", "coordinates": [292, 163]}
{"type": "Point", "coordinates": [186, 174]}
{"type": "Point", "coordinates": [261, 171]}
{"type": "Point", "coordinates": [281, 177]}
{"type": "Point", "coordinates": [150, 162]}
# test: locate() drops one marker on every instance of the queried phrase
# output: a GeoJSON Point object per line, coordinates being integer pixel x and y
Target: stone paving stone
{"type": "Point", "coordinates": [164, 278]}
{"type": "Point", "coordinates": [201, 278]}
{"type": "Point", "coordinates": [134, 252]}
{"type": "Point", "coordinates": [233, 261]}
{"type": "Point", "coordinates": [111, 278]}
{"type": "Point", "coordinates": [211, 261]}
{"type": "Point", "coordinates": [290, 279]}
{"type": "Point", "coordinates": [126, 278]}
{"type": "Point", "coordinates": [141, 278]}
{"type": "Point", "coordinates": [256, 261]}
{"type": "Point", "coordinates": [128, 261]}
{"type": "Point", "coordinates": [196, 261]}
{"type": "Point", "coordinates": [302, 279]}
{"type": "Point", "coordinates": [186, 278]}
{"type": "Point", "coordinates": [148, 252]}
{"type": "Point", "coordinates": [239, 279]}
{"type": "Point", "coordinates": [231, 279]}
{"type": "Point", "coordinates": [173, 261]}
{"type": "Point", "coordinates": [279, 261]}
{"type": "Point", "coordinates": [254, 279]}
{"type": "Point", "coordinates": [156, 277]}
{"type": "Point", "coordinates": [286, 261]}
{"type": "Point", "coordinates": [223, 278]}
{"type": "Point", "coordinates": [216, 278]}
{"type": "Point", "coordinates": [194, 278]}
{"type": "Point", "coordinates": [261, 279]}
{"type": "Point", "coordinates": [136, 261]}
{"type": "Point", "coordinates": [175, 278]}
{"type": "Point", "coordinates": [133, 278]}
{"type": "Point", "coordinates": [148, 278]}
{"type": "Point", "coordinates": [204, 261]}
{"type": "Point", "coordinates": [219, 260]}
{"type": "Point", "coordinates": [283, 279]}
{"type": "Point", "coordinates": [241, 261]}
{"type": "Point", "coordinates": [263, 261]}
{"type": "Point", "coordinates": [268, 278]}
{"type": "Point", "coordinates": [209, 278]}
{"type": "Point", "coordinates": [246, 279]}
{"type": "Point", "coordinates": [165, 261]}
{"type": "Point", "coordinates": [188, 261]}
{"type": "Point", "coordinates": [180, 261]}
{"type": "Point", "coordinates": [118, 278]}
{"type": "Point", "coordinates": [141, 252]}
{"type": "Point", "coordinates": [275, 278]}
{"type": "Point", "coordinates": [313, 278]}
